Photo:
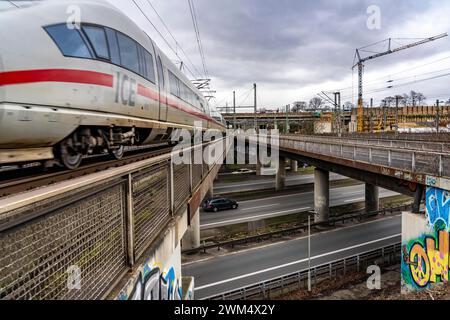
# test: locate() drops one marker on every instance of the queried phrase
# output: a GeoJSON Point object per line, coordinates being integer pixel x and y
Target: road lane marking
{"type": "Point", "coordinates": [294, 263]}
{"type": "Point", "coordinates": [354, 200]}
{"type": "Point", "coordinates": [255, 217]}
{"type": "Point", "coordinates": [279, 243]}
{"type": "Point", "coordinates": [332, 190]}
{"type": "Point", "coordinates": [260, 207]}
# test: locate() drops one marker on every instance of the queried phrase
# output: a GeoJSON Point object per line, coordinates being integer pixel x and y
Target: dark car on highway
{"type": "Point", "coordinates": [216, 205]}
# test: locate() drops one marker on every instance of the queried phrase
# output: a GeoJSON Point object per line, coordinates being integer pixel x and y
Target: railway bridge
{"type": "Point", "coordinates": [112, 234]}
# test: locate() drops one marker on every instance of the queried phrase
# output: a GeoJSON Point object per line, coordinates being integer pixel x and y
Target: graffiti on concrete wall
{"type": "Point", "coordinates": [438, 206]}
{"type": "Point", "coordinates": [153, 284]}
{"type": "Point", "coordinates": [426, 258]}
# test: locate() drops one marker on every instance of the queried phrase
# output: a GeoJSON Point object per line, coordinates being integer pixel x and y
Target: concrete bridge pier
{"type": "Point", "coordinates": [280, 182]}
{"type": "Point", "coordinates": [418, 197]}
{"type": "Point", "coordinates": [209, 193]}
{"type": "Point", "coordinates": [191, 238]}
{"type": "Point", "coordinates": [321, 195]}
{"type": "Point", "coordinates": [372, 198]}
{"type": "Point", "coordinates": [294, 165]}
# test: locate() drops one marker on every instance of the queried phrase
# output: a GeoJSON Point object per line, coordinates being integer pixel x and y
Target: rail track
{"type": "Point", "coordinates": [21, 180]}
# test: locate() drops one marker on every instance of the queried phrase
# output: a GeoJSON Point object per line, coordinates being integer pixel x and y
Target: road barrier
{"type": "Point", "coordinates": [328, 271]}
{"type": "Point", "coordinates": [291, 231]}
{"type": "Point", "coordinates": [386, 155]}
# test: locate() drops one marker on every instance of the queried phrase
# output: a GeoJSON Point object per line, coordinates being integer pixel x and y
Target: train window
{"type": "Point", "coordinates": [150, 66]}
{"type": "Point", "coordinates": [128, 52]}
{"type": "Point", "coordinates": [173, 84]}
{"type": "Point", "coordinates": [142, 63]}
{"type": "Point", "coordinates": [160, 72]}
{"type": "Point", "coordinates": [69, 41]}
{"type": "Point", "coordinates": [97, 38]}
{"type": "Point", "coordinates": [113, 46]}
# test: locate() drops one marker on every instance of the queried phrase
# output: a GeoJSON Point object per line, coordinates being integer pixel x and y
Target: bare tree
{"type": "Point", "coordinates": [316, 103]}
{"type": "Point", "coordinates": [406, 100]}
{"type": "Point", "coordinates": [299, 106]}
{"type": "Point", "coordinates": [388, 101]}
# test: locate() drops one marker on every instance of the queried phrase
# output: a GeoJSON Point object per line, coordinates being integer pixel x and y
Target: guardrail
{"type": "Point", "coordinates": [413, 136]}
{"type": "Point", "coordinates": [101, 224]}
{"type": "Point", "coordinates": [299, 280]}
{"type": "Point", "coordinates": [419, 145]}
{"type": "Point", "coordinates": [423, 162]}
{"type": "Point", "coordinates": [291, 231]}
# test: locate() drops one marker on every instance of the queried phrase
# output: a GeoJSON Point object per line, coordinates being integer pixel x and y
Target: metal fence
{"type": "Point", "coordinates": [419, 145]}
{"type": "Point", "coordinates": [85, 233]}
{"type": "Point", "coordinates": [328, 271]}
{"type": "Point", "coordinates": [91, 232]}
{"type": "Point", "coordinates": [424, 162]}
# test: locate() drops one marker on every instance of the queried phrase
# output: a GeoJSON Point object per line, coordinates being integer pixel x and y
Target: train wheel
{"type": "Point", "coordinates": [69, 157]}
{"type": "Point", "coordinates": [118, 153]}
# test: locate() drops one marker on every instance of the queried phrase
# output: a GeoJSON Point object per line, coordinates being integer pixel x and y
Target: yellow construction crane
{"type": "Point", "coordinates": [362, 60]}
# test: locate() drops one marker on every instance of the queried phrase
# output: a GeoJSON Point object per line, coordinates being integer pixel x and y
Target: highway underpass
{"type": "Point", "coordinates": [269, 183]}
{"type": "Point", "coordinates": [258, 209]}
{"type": "Point", "coordinates": [232, 271]}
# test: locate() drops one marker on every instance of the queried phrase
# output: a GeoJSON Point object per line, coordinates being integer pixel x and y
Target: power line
{"type": "Point", "coordinates": [396, 73]}
{"type": "Point", "coordinates": [160, 34]}
{"type": "Point", "coordinates": [197, 35]}
{"type": "Point", "coordinates": [403, 84]}
{"type": "Point", "coordinates": [15, 5]}
{"type": "Point", "coordinates": [173, 37]}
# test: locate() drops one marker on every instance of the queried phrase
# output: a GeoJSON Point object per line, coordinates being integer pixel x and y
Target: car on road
{"type": "Point", "coordinates": [243, 171]}
{"type": "Point", "coordinates": [215, 205]}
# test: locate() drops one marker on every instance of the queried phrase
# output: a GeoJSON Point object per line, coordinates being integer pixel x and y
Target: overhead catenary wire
{"type": "Point", "coordinates": [389, 77]}
{"type": "Point", "coordinates": [164, 39]}
{"type": "Point", "coordinates": [197, 35]}
{"type": "Point", "coordinates": [174, 39]}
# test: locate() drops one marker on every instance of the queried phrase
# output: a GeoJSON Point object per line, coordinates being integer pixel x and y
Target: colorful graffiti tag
{"type": "Point", "coordinates": [426, 258]}
{"type": "Point", "coordinates": [438, 206]}
{"type": "Point", "coordinates": [152, 284]}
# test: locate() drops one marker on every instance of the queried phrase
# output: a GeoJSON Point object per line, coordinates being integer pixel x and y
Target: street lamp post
{"type": "Point", "coordinates": [309, 253]}
{"type": "Point", "coordinates": [309, 248]}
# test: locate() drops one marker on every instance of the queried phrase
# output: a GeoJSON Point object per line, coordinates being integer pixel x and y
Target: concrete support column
{"type": "Point", "coordinates": [258, 168]}
{"type": "Point", "coordinates": [191, 238]}
{"type": "Point", "coordinates": [209, 193]}
{"type": "Point", "coordinates": [321, 195]}
{"type": "Point", "coordinates": [281, 175]}
{"type": "Point", "coordinates": [294, 165]}
{"type": "Point", "coordinates": [418, 197]}
{"type": "Point", "coordinates": [372, 198]}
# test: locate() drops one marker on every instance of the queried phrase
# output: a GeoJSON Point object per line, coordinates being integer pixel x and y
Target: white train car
{"type": "Point", "coordinates": [71, 90]}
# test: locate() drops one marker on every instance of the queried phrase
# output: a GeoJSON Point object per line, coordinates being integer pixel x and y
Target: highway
{"type": "Point", "coordinates": [269, 183]}
{"type": "Point", "coordinates": [253, 210]}
{"type": "Point", "coordinates": [235, 270]}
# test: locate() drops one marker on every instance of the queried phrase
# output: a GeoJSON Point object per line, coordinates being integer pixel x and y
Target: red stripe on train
{"type": "Point", "coordinates": [56, 75]}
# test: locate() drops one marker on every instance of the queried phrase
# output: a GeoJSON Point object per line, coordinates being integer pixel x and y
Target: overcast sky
{"type": "Point", "coordinates": [294, 49]}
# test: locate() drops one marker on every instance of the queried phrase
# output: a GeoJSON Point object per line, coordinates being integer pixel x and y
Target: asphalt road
{"type": "Point", "coordinates": [236, 270]}
{"type": "Point", "coordinates": [269, 183]}
{"type": "Point", "coordinates": [254, 210]}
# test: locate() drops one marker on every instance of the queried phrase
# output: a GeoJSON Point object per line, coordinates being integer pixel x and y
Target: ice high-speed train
{"type": "Point", "coordinates": [69, 90]}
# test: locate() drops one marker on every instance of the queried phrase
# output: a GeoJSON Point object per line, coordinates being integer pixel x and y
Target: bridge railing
{"type": "Point", "coordinates": [299, 280]}
{"type": "Point", "coordinates": [90, 230]}
{"type": "Point", "coordinates": [419, 145]}
{"type": "Point", "coordinates": [424, 162]}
